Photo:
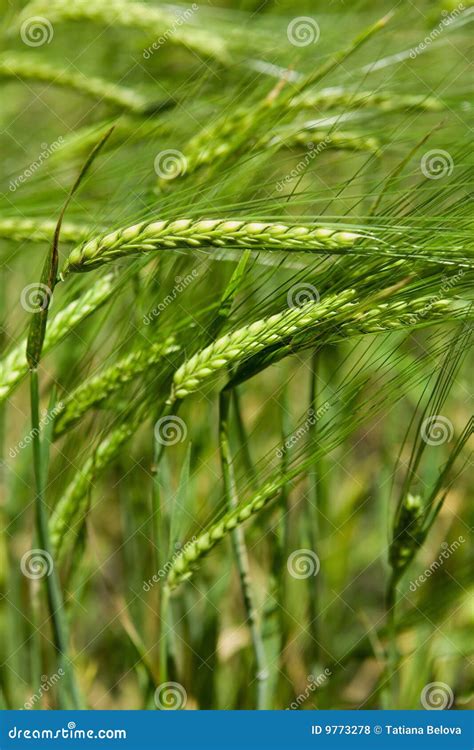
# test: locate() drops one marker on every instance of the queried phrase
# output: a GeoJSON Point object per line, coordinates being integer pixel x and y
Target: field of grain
{"type": "Point", "coordinates": [236, 279]}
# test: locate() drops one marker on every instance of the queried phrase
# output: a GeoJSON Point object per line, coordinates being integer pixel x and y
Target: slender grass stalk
{"type": "Point", "coordinates": [34, 350]}
{"type": "Point", "coordinates": [274, 625]}
{"type": "Point", "coordinates": [393, 655]}
{"type": "Point", "coordinates": [166, 526]}
{"type": "Point", "coordinates": [313, 508]}
{"type": "Point", "coordinates": [164, 626]}
{"type": "Point", "coordinates": [35, 655]}
{"type": "Point", "coordinates": [243, 439]}
{"type": "Point", "coordinates": [241, 553]}
{"type": "Point", "coordinates": [55, 600]}
{"type": "Point", "coordinates": [160, 536]}
{"type": "Point", "coordinates": [5, 679]}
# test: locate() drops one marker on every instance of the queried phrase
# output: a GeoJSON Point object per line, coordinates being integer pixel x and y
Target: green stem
{"type": "Point", "coordinates": [35, 657]}
{"type": "Point", "coordinates": [54, 595]}
{"type": "Point", "coordinates": [4, 547]}
{"type": "Point", "coordinates": [392, 650]}
{"type": "Point", "coordinates": [156, 535]}
{"type": "Point", "coordinates": [159, 531]}
{"type": "Point", "coordinates": [241, 554]}
{"type": "Point", "coordinates": [164, 618]}
{"type": "Point", "coordinates": [313, 513]}
{"type": "Point", "coordinates": [170, 410]}
{"type": "Point", "coordinates": [243, 440]}
{"type": "Point", "coordinates": [5, 614]}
